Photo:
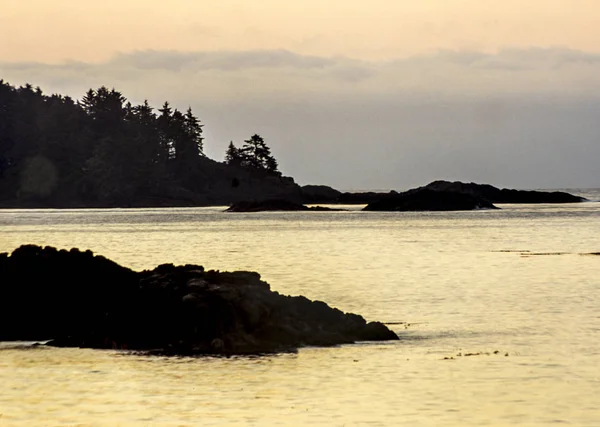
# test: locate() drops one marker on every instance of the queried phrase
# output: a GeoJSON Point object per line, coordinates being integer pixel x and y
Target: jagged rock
{"type": "Point", "coordinates": [77, 299]}
{"type": "Point", "coordinates": [429, 200]}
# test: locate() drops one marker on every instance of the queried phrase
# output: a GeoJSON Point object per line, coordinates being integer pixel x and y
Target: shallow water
{"type": "Point", "coordinates": [517, 281]}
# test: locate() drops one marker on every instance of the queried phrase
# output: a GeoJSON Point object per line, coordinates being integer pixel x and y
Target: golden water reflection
{"type": "Point", "coordinates": [458, 279]}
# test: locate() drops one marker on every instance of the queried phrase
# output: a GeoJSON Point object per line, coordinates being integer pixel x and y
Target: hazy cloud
{"type": "Point", "coordinates": [534, 70]}
{"type": "Point", "coordinates": [226, 61]}
{"type": "Point", "coordinates": [517, 117]}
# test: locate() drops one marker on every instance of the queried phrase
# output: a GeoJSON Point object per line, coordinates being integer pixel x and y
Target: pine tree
{"type": "Point", "coordinates": [164, 128]}
{"type": "Point", "coordinates": [271, 165]}
{"type": "Point", "coordinates": [257, 155]}
{"type": "Point", "coordinates": [194, 131]}
{"type": "Point", "coordinates": [233, 155]}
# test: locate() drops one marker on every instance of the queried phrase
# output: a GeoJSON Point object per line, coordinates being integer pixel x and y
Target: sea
{"type": "Point", "coordinates": [498, 314]}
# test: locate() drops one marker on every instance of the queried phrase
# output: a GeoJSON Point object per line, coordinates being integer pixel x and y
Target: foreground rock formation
{"type": "Point", "coordinates": [77, 299]}
{"type": "Point", "coordinates": [429, 200]}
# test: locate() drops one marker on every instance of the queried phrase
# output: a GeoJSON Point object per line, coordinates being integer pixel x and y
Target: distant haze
{"type": "Point", "coordinates": [389, 96]}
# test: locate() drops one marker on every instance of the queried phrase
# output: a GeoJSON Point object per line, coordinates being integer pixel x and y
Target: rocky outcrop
{"type": "Point", "coordinates": [429, 200]}
{"type": "Point", "coordinates": [273, 205]}
{"type": "Point", "coordinates": [450, 196]}
{"type": "Point", "coordinates": [319, 194]}
{"type": "Point", "coordinates": [77, 299]}
{"type": "Point", "coordinates": [323, 194]}
{"type": "Point", "coordinates": [365, 197]}
{"type": "Point", "coordinates": [496, 195]}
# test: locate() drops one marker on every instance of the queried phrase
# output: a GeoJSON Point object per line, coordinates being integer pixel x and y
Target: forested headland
{"type": "Point", "coordinates": [102, 151]}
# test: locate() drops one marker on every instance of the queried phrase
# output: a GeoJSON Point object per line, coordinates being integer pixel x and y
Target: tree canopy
{"type": "Point", "coordinates": [102, 150]}
{"type": "Point", "coordinates": [253, 154]}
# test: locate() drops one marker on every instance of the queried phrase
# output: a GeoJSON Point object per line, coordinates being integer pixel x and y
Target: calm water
{"type": "Point", "coordinates": [516, 281]}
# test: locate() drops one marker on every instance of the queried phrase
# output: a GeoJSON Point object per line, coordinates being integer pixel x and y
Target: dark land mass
{"type": "Point", "coordinates": [496, 195]}
{"type": "Point", "coordinates": [102, 151]}
{"type": "Point", "coordinates": [324, 194]}
{"type": "Point", "coordinates": [77, 299]}
{"type": "Point", "coordinates": [274, 205]}
{"type": "Point", "coordinates": [429, 200]}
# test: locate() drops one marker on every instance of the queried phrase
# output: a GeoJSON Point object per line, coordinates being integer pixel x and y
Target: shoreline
{"type": "Point", "coordinates": [314, 195]}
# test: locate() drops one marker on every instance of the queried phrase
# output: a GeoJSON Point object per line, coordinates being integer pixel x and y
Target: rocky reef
{"type": "Point", "coordinates": [78, 299]}
{"type": "Point", "coordinates": [273, 205]}
{"type": "Point", "coordinates": [430, 200]}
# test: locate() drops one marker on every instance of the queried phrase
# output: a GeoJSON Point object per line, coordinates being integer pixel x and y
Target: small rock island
{"type": "Point", "coordinates": [504, 195]}
{"type": "Point", "coordinates": [274, 205]}
{"type": "Point", "coordinates": [77, 299]}
{"type": "Point", "coordinates": [458, 196]}
{"type": "Point", "coordinates": [430, 200]}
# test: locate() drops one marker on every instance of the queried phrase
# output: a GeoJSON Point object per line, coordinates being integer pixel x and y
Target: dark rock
{"type": "Point", "coordinates": [214, 184]}
{"type": "Point", "coordinates": [273, 205]}
{"type": "Point", "coordinates": [429, 200]}
{"type": "Point", "coordinates": [365, 197]}
{"type": "Point", "coordinates": [319, 194]}
{"type": "Point", "coordinates": [496, 195]}
{"type": "Point", "coordinates": [76, 299]}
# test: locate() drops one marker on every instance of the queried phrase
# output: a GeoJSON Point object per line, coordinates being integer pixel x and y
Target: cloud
{"type": "Point", "coordinates": [263, 73]}
{"type": "Point", "coordinates": [516, 117]}
{"type": "Point", "coordinates": [223, 60]}
{"type": "Point", "coordinates": [518, 59]}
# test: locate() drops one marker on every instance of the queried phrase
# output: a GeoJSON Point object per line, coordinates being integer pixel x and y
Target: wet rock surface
{"type": "Point", "coordinates": [78, 299]}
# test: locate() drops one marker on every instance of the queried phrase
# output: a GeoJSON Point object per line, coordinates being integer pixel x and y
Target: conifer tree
{"type": "Point", "coordinates": [233, 155]}
{"type": "Point", "coordinates": [256, 154]}
{"type": "Point", "coordinates": [194, 131]}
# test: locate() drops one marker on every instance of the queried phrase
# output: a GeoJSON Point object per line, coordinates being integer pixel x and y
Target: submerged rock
{"type": "Point", "coordinates": [429, 200]}
{"type": "Point", "coordinates": [77, 299]}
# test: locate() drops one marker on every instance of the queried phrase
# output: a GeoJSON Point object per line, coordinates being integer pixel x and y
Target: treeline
{"type": "Point", "coordinates": [100, 150]}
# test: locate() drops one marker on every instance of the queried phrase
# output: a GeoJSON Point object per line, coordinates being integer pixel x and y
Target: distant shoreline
{"type": "Point", "coordinates": [323, 195]}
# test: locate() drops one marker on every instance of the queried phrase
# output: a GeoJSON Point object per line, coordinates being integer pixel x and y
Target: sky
{"type": "Point", "coordinates": [379, 94]}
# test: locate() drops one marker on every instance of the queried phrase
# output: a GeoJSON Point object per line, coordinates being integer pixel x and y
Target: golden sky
{"type": "Point", "coordinates": [93, 30]}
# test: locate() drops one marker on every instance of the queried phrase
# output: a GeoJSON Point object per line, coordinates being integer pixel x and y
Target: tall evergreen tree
{"type": "Point", "coordinates": [256, 154]}
{"type": "Point", "coordinates": [164, 126]}
{"type": "Point", "coordinates": [194, 131]}
{"type": "Point", "coordinates": [233, 155]}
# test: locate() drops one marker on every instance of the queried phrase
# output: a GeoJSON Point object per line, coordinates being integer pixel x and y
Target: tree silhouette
{"type": "Point", "coordinates": [102, 150]}
{"type": "Point", "coordinates": [193, 129]}
{"type": "Point", "coordinates": [255, 154]}
{"type": "Point", "coordinates": [233, 155]}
